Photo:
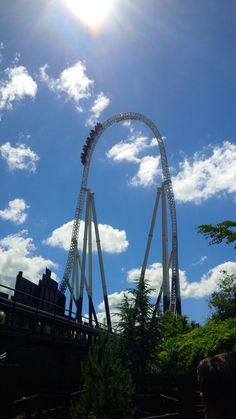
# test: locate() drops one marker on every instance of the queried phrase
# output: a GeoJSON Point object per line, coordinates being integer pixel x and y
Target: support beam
{"type": "Point", "coordinates": [104, 287]}
{"type": "Point", "coordinates": [150, 235]}
{"type": "Point", "coordinates": [87, 289]}
{"type": "Point", "coordinates": [165, 257]}
{"type": "Point", "coordinates": [90, 267]}
{"type": "Point", "coordinates": [82, 281]}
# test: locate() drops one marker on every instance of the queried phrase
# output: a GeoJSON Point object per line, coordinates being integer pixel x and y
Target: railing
{"type": "Point", "coordinates": [45, 317]}
{"type": "Point", "coordinates": [54, 403]}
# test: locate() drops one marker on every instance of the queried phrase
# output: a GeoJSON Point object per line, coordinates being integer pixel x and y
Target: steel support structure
{"type": "Point", "coordinates": [91, 217]}
{"type": "Point", "coordinates": [166, 260]}
{"type": "Point", "coordinates": [150, 235]}
{"type": "Point", "coordinates": [175, 300]}
{"type": "Point", "coordinates": [165, 257]}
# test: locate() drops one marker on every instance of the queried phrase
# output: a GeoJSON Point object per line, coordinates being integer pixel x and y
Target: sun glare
{"type": "Point", "coordinates": [90, 12]}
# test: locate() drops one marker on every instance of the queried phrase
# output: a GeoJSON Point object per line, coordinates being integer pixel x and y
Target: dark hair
{"type": "Point", "coordinates": [217, 382]}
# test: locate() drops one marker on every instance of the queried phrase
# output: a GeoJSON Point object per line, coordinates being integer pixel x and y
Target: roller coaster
{"type": "Point", "coordinates": [171, 294]}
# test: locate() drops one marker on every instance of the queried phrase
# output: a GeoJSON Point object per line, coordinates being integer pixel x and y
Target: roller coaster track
{"type": "Point", "coordinates": [175, 289]}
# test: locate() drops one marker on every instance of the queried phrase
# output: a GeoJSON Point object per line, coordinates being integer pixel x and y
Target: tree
{"type": "Point", "coordinates": [138, 330]}
{"type": "Point", "coordinates": [219, 232]}
{"type": "Point", "coordinates": [171, 326]}
{"type": "Point", "coordinates": [180, 348]}
{"type": "Point", "coordinates": [126, 328]}
{"type": "Point", "coordinates": [223, 300]}
{"type": "Point", "coordinates": [181, 354]}
{"type": "Point", "coordinates": [106, 383]}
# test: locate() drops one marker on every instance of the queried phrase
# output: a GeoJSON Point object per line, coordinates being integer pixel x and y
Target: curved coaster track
{"type": "Point", "coordinates": [172, 301]}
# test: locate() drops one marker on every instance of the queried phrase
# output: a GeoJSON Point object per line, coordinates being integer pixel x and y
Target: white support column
{"type": "Point", "coordinates": [87, 289]}
{"type": "Point", "coordinates": [104, 287]}
{"type": "Point", "coordinates": [90, 261]}
{"type": "Point", "coordinates": [150, 235]}
{"type": "Point", "coordinates": [76, 273]}
{"type": "Point", "coordinates": [72, 288]}
{"type": "Point", "coordinates": [165, 258]}
{"type": "Point", "coordinates": [82, 280]}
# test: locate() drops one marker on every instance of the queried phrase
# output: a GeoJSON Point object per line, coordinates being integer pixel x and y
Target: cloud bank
{"type": "Point", "coordinates": [207, 176]}
{"type": "Point", "coordinates": [195, 289]}
{"type": "Point", "coordinates": [197, 180]}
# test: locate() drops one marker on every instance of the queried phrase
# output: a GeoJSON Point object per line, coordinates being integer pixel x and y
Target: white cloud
{"type": "Point", "coordinates": [100, 104]}
{"type": "Point", "coordinates": [130, 149]}
{"type": "Point", "coordinates": [23, 136]}
{"type": "Point", "coordinates": [204, 177]}
{"type": "Point", "coordinates": [114, 301]}
{"type": "Point", "coordinates": [149, 169]}
{"type": "Point", "coordinates": [128, 124]}
{"type": "Point", "coordinates": [17, 85]}
{"type": "Point", "coordinates": [153, 275]}
{"type": "Point", "coordinates": [200, 261]}
{"type": "Point", "coordinates": [197, 180]}
{"type": "Point", "coordinates": [112, 240]}
{"type": "Point", "coordinates": [73, 82]}
{"type": "Point", "coordinates": [16, 59]}
{"type": "Point", "coordinates": [195, 289]}
{"type": "Point", "coordinates": [15, 211]}
{"type": "Point", "coordinates": [208, 282]}
{"type": "Point", "coordinates": [16, 254]}
{"type": "Point", "coordinates": [21, 157]}
{"type": "Point", "coordinates": [198, 289]}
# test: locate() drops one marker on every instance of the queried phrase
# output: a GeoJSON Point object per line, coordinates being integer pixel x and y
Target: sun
{"type": "Point", "coordinates": [90, 12]}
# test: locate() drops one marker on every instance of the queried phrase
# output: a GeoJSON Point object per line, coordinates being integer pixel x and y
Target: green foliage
{"type": "Point", "coordinates": [142, 335]}
{"type": "Point", "coordinates": [142, 305]}
{"type": "Point", "coordinates": [223, 301]}
{"type": "Point", "coordinates": [138, 330]}
{"type": "Point", "coordinates": [171, 345]}
{"type": "Point", "coordinates": [180, 349]}
{"type": "Point", "coordinates": [127, 317]}
{"type": "Point", "coordinates": [171, 326]}
{"type": "Point", "coordinates": [219, 232]}
{"type": "Point", "coordinates": [126, 327]}
{"type": "Point", "coordinates": [182, 353]}
{"type": "Point", "coordinates": [106, 384]}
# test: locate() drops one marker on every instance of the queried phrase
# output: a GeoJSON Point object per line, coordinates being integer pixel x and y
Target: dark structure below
{"type": "Point", "coordinates": [41, 347]}
{"type": "Point", "coordinates": [44, 296]}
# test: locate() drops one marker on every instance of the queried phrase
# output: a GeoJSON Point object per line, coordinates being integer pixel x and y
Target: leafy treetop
{"type": "Point", "coordinates": [223, 300]}
{"type": "Point", "coordinates": [219, 232]}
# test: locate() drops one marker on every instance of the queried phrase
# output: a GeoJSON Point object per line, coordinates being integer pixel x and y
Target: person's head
{"type": "Point", "coordinates": [217, 382]}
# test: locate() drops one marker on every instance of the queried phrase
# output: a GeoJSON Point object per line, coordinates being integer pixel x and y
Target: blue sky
{"type": "Point", "coordinates": [171, 60]}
